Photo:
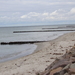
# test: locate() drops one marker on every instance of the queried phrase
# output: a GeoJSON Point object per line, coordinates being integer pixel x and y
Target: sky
{"type": "Point", "coordinates": [36, 12]}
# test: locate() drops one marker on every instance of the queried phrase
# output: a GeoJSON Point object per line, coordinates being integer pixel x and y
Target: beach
{"type": "Point", "coordinates": [42, 57]}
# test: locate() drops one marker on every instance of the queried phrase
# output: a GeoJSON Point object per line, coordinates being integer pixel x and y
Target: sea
{"type": "Point", "coordinates": [10, 52]}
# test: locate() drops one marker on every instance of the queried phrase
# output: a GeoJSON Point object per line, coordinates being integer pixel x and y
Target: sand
{"type": "Point", "coordinates": [44, 55]}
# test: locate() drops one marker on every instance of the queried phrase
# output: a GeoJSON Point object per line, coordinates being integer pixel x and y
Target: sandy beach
{"type": "Point", "coordinates": [43, 56]}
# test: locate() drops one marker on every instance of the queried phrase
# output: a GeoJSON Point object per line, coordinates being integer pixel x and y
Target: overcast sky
{"type": "Point", "coordinates": [36, 12]}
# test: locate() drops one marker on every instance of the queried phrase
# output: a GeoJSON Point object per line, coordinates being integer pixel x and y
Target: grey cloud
{"type": "Point", "coordinates": [42, 10]}
{"type": "Point", "coordinates": [33, 5]}
{"type": "Point", "coordinates": [56, 15]}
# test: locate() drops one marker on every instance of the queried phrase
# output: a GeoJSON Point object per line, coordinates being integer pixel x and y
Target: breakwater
{"type": "Point", "coordinates": [42, 31]}
{"type": "Point", "coordinates": [20, 42]}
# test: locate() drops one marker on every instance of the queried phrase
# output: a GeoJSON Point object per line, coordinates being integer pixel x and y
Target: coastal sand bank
{"type": "Point", "coordinates": [44, 55]}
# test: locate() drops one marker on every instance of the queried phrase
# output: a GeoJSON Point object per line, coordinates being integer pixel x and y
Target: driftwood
{"type": "Point", "coordinates": [61, 63]}
{"type": "Point", "coordinates": [64, 62]}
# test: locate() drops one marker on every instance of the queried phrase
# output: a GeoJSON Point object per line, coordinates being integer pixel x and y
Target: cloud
{"type": "Point", "coordinates": [34, 16]}
{"type": "Point", "coordinates": [27, 6]}
{"type": "Point", "coordinates": [56, 15]}
{"type": "Point", "coordinates": [4, 17]}
{"type": "Point", "coordinates": [44, 2]}
{"type": "Point", "coordinates": [45, 14]}
{"type": "Point", "coordinates": [23, 16]}
{"type": "Point", "coordinates": [72, 11]}
{"type": "Point", "coordinates": [36, 10]}
{"type": "Point", "coordinates": [31, 14]}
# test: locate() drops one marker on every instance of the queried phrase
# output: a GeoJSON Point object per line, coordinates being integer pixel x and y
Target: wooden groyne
{"type": "Point", "coordinates": [20, 42]}
{"type": "Point", "coordinates": [41, 31]}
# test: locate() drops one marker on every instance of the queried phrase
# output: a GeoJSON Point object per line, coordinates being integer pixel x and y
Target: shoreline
{"type": "Point", "coordinates": [39, 44]}
{"type": "Point", "coordinates": [41, 58]}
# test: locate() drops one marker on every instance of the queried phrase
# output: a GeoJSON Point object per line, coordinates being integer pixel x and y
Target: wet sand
{"type": "Point", "coordinates": [44, 55]}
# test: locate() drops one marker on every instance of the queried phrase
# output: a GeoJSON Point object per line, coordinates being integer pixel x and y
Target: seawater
{"type": "Point", "coordinates": [9, 52]}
